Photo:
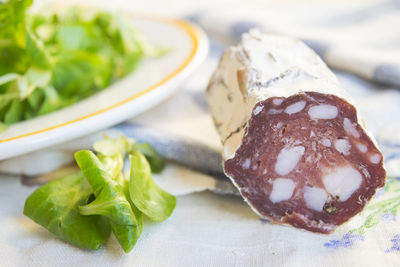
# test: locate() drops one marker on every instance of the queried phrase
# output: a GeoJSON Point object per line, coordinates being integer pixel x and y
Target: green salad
{"type": "Point", "coordinates": [84, 208]}
{"type": "Point", "coordinates": [50, 60]}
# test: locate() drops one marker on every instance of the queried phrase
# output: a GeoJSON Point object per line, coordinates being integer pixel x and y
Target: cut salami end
{"type": "Point", "coordinates": [294, 144]}
{"type": "Point", "coordinates": [319, 185]}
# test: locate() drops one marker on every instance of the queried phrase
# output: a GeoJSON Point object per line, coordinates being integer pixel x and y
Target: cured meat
{"type": "Point", "coordinates": [294, 144]}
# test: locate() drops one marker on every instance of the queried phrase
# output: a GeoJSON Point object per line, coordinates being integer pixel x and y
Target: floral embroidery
{"type": "Point", "coordinates": [346, 241]}
{"type": "Point", "coordinates": [395, 244]}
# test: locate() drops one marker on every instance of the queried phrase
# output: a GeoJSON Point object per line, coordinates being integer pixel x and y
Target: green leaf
{"type": "Point", "coordinates": [78, 74]}
{"type": "Point", "coordinates": [82, 211]}
{"type": "Point", "coordinates": [12, 21]}
{"type": "Point", "coordinates": [110, 146]}
{"type": "Point", "coordinates": [127, 235]}
{"type": "Point", "coordinates": [113, 205]}
{"type": "Point", "coordinates": [38, 77]}
{"type": "Point", "coordinates": [113, 165]}
{"type": "Point", "coordinates": [57, 59]}
{"type": "Point", "coordinates": [3, 127]}
{"type": "Point", "coordinates": [14, 113]}
{"type": "Point", "coordinates": [35, 99]}
{"type": "Point", "coordinates": [36, 51]}
{"type": "Point", "coordinates": [32, 79]}
{"type": "Point", "coordinates": [157, 163]}
{"type": "Point", "coordinates": [12, 60]}
{"type": "Point", "coordinates": [150, 199]}
{"type": "Point", "coordinates": [130, 234]}
{"type": "Point", "coordinates": [6, 98]}
{"type": "Point", "coordinates": [110, 200]}
{"type": "Point", "coordinates": [9, 77]}
{"type": "Point", "coordinates": [128, 36]}
{"type": "Point", "coordinates": [147, 48]}
{"type": "Point", "coordinates": [51, 101]}
{"type": "Point", "coordinates": [25, 88]}
{"type": "Point", "coordinates": [55, 207]}
{"type": "Point", "coordinates": [73, 37]}
{"type": "Point", "coordinates": [126, 64]}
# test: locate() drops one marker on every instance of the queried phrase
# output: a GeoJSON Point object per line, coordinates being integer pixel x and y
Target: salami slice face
{"type": "Point", "coordinates": [304, 160]}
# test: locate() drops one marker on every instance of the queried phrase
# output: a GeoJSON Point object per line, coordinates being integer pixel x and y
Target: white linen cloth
{"type": "Point", "coordinates": [212, 230]}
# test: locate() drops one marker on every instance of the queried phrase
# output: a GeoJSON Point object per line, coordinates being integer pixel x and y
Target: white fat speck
{"type": "Point", "coordinates": [258, 109]}
{"type": "Point", "coordinates": [342, 181]}
{"type": "Point", "coordinates": [323, 112]}
{"type": "Point", "coordinates": [287, 159]}
{"type": "Point", "coordinates": [246, 164]}
{"type": "Point", "coordinates": [363, 148]}
{"type": "Point", "coordinates": [342, 146]}
{"type": "Point", "coordinates": [315, 197]}
{"type": "Point", "coordinates": [274, 111]}
{"type": "Point", "coordinates": [312, 134]}
{"type": "Point", "coordinates": [254, 167]}
{"type": "Point", "coordinates": [282, 189]}
{"type": "Point", "coordinates": [375, 158]}
{"type": "Point", "coordinates": [264, 171]}
{"type": "Point", "coordinates": [277, 101]}
{"type": "Point", "coordinates": [296, 107]}
{"type": "Point", "coordinates": [326, 142]}
{"type": "Point", "coordinates": [349, 128]}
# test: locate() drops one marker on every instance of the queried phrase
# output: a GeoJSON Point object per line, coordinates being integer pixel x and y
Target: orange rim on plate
{"type": "Point", "coordinates": [185, 26]}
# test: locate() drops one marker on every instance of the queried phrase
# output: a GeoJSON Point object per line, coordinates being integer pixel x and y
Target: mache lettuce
{"type": "Point", "coordinates": [50, 60]}
{"type": "Point", "coordinates": [83, 207]}
{"type": "Point", "coordinates": [110, 201]}
{"type": "Point", "coordinates": [55, 206]}
{"type": "Point", "coordinates": [147, 196]}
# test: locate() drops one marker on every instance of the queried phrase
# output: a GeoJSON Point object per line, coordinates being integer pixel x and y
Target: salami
{"type": "Point", "coordinates": [294, 144]}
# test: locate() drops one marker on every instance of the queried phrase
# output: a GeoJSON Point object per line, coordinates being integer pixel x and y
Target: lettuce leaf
{"type": "Point", "coordinates": [111, 201]}
{"type": "Point", "coordinates": [82, 208]}
{"type": "Point", "coordinates": [147, 196]}
{"type": "Point", "coordinates": [55, 206]}
{"type": "Point", "coordinates": [53, 60]}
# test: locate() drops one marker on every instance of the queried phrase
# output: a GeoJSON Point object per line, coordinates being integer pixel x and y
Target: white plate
{"type": "Point", "coordinates": [152, 81]}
